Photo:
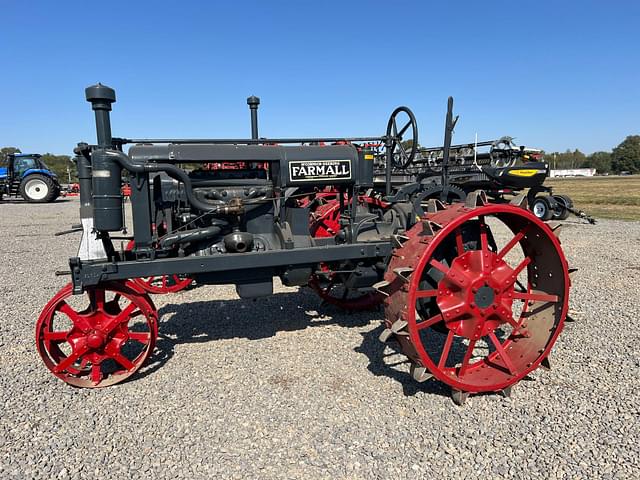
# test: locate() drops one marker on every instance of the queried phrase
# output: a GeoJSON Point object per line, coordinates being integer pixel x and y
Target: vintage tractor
{"type": "Point", "coordinates": [28, 176]}
{"type": "Point", "coordinates": [475, 293]}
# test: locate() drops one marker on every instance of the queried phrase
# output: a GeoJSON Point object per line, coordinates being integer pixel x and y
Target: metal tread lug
{"type": "Point", "coordinates": [378, 287]}
{"type": "Point", "coordinates": [399, 240]}
{"type": "Point", "coordinates": [403, 272]}
{"type": "Point", "coordinates": [398, 326]}
{"type": "Point", "coordinates": [506, 391]}
{"type": "Point", "coordinates": [520, 201]}
{"type": "Point", "coordinates": [459, 397]}
{"type": "Point", "coordinates": [426, 228]}
{"type": "Point", "coordinates": [434, 205]}
{"type": "Point", "coordinates": [419, 373]}
{"type": "Point", "coordinates": [475, 199]}
{"type": "Point", "coordinates": [556, 227]}
{"type": "Point", "coordinates": [546, 364]}
{"type": "Point", "coordinates": [385, 335]}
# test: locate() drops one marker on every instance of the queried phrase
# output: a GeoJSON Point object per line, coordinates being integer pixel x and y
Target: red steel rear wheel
{"type": "Point", "coordinates": [467, 306]}
{"type": "Point", "coordinates": [100, 338]}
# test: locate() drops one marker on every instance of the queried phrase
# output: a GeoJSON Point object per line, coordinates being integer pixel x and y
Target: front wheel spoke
{"type": "Point", "coordinates": [98, 298]}
{"type": "Point", "coordinates": [142, 337]}
{"type": "Point", "coordinates": [124, 315]}
{"type": "Point", "coordinates": [79, 321]}
{"type": "Point", "coordinates": [56, 337]}
{"type": "Point", "coordinates": [536, 297]}
{"type": "Point", "coordinates": [70, 360]}
{"type": "Point", "coordinates": [96, 373]}
{"type": "Point", "coordinates": [503, 354]}
{"type": "Point", "coordinates": [122, 360]}
{"type": "Point", "coordinates": [445, 350]}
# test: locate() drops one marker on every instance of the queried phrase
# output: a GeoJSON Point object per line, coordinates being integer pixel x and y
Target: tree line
{"type": "Point", "coordinates": [623, 158]}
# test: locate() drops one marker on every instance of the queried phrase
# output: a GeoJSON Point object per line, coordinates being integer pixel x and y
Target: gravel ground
{"type": "Point", "coordinates": [284, 388]}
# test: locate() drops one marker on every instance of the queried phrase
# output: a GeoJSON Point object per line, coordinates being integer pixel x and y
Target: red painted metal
{"type": "Point", "coordinates": [334, 294]}
{"type": "Point", "coordinates": [102, 343]}
{"type": "Point", "coordinates": [161, 284]}
{"type": "Point", "coordinates": [164, 284]}
{"type": "Point", "coordinates": [325, 222]}
{"type": "Point", "coordinates": [473, 301]}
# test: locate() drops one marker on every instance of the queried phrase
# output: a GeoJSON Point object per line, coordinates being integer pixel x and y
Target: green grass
{"type": "Point", "coordinates": [605, 197]}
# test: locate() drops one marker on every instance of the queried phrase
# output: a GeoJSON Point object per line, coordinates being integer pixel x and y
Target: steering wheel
{"type": "Point", "coordinates": [402, 154]}
{"type": "Point", "coordinates": [501, 153]}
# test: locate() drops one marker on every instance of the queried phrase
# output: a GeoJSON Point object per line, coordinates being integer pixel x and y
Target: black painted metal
{"type": "Point", "coordinates": [253, 103]}
{"type": "Point", "coordinates": [240, 213]}
{"type": "Point", "coordinates": [91, 274]}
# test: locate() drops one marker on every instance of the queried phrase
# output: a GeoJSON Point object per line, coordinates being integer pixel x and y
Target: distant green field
{"type": "Point", "coordinates": [605, 197]}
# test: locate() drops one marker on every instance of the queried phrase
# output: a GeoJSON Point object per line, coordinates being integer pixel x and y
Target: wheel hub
{"type": "Point", "coordinates": [484, 296]}
{"type": "Point", "coordinates": [96, 339]}
{"type": "Point", "coordinates": [476, 295]}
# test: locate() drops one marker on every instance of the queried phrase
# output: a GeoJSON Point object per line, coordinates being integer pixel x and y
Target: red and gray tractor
{"type": "Point", "coordinates": [475, 292]}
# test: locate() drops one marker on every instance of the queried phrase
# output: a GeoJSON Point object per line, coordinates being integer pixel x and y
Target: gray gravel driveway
{"type": "Point", "coordinates": [283, 387]}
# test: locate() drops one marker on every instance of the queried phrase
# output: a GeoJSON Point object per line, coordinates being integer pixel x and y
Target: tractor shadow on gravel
{"type": "Point", "coordinates": [208, 321]}
{"type": "Point", "coordinates": [387, 359]}
{"type": "Point", "coordinates": [211, 320]}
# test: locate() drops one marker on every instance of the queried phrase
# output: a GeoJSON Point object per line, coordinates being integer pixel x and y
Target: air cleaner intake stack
{"type": "Point", "coordinates": [106, 173]}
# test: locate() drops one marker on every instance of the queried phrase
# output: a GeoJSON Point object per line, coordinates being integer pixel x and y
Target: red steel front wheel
{"type": "Point", "coordinates": [100, 338]}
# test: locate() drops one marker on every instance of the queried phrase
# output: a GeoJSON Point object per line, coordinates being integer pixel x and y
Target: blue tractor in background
{"type": "Point", "coordinates": [27, 175]}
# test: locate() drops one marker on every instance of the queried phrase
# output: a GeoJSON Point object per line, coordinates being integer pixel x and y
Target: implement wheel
{"type": "Point", "coordinates": [477, 296]}
{"type": "Point", "coordinates": [98, 339]}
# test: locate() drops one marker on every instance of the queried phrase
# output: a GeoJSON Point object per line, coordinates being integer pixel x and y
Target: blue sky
{"type": "Point", "coordinates": [555, 75]}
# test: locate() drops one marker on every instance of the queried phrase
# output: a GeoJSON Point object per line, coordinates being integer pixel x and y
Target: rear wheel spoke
{"type": "Point", "coordinates": [512, 243]}
{"type": "Point", "coordinates": [459, 241]}
{"type": "Point", "coordinates": [503, 354]}
{"type": "Point", "coordinates": [521, 266]}
{"type": "Point", "coordinates": [445, 350]}
{"type": "Point", "coordinates": [431, 321]}
{"type": "Point", "coordinates": [536, 297]}
{"type": "Point", "coordinates": [439, 266]}
{"type": "Point", "coordinates": [467, 358]}
{"type": "Point", "coordinates": [426, 293]}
